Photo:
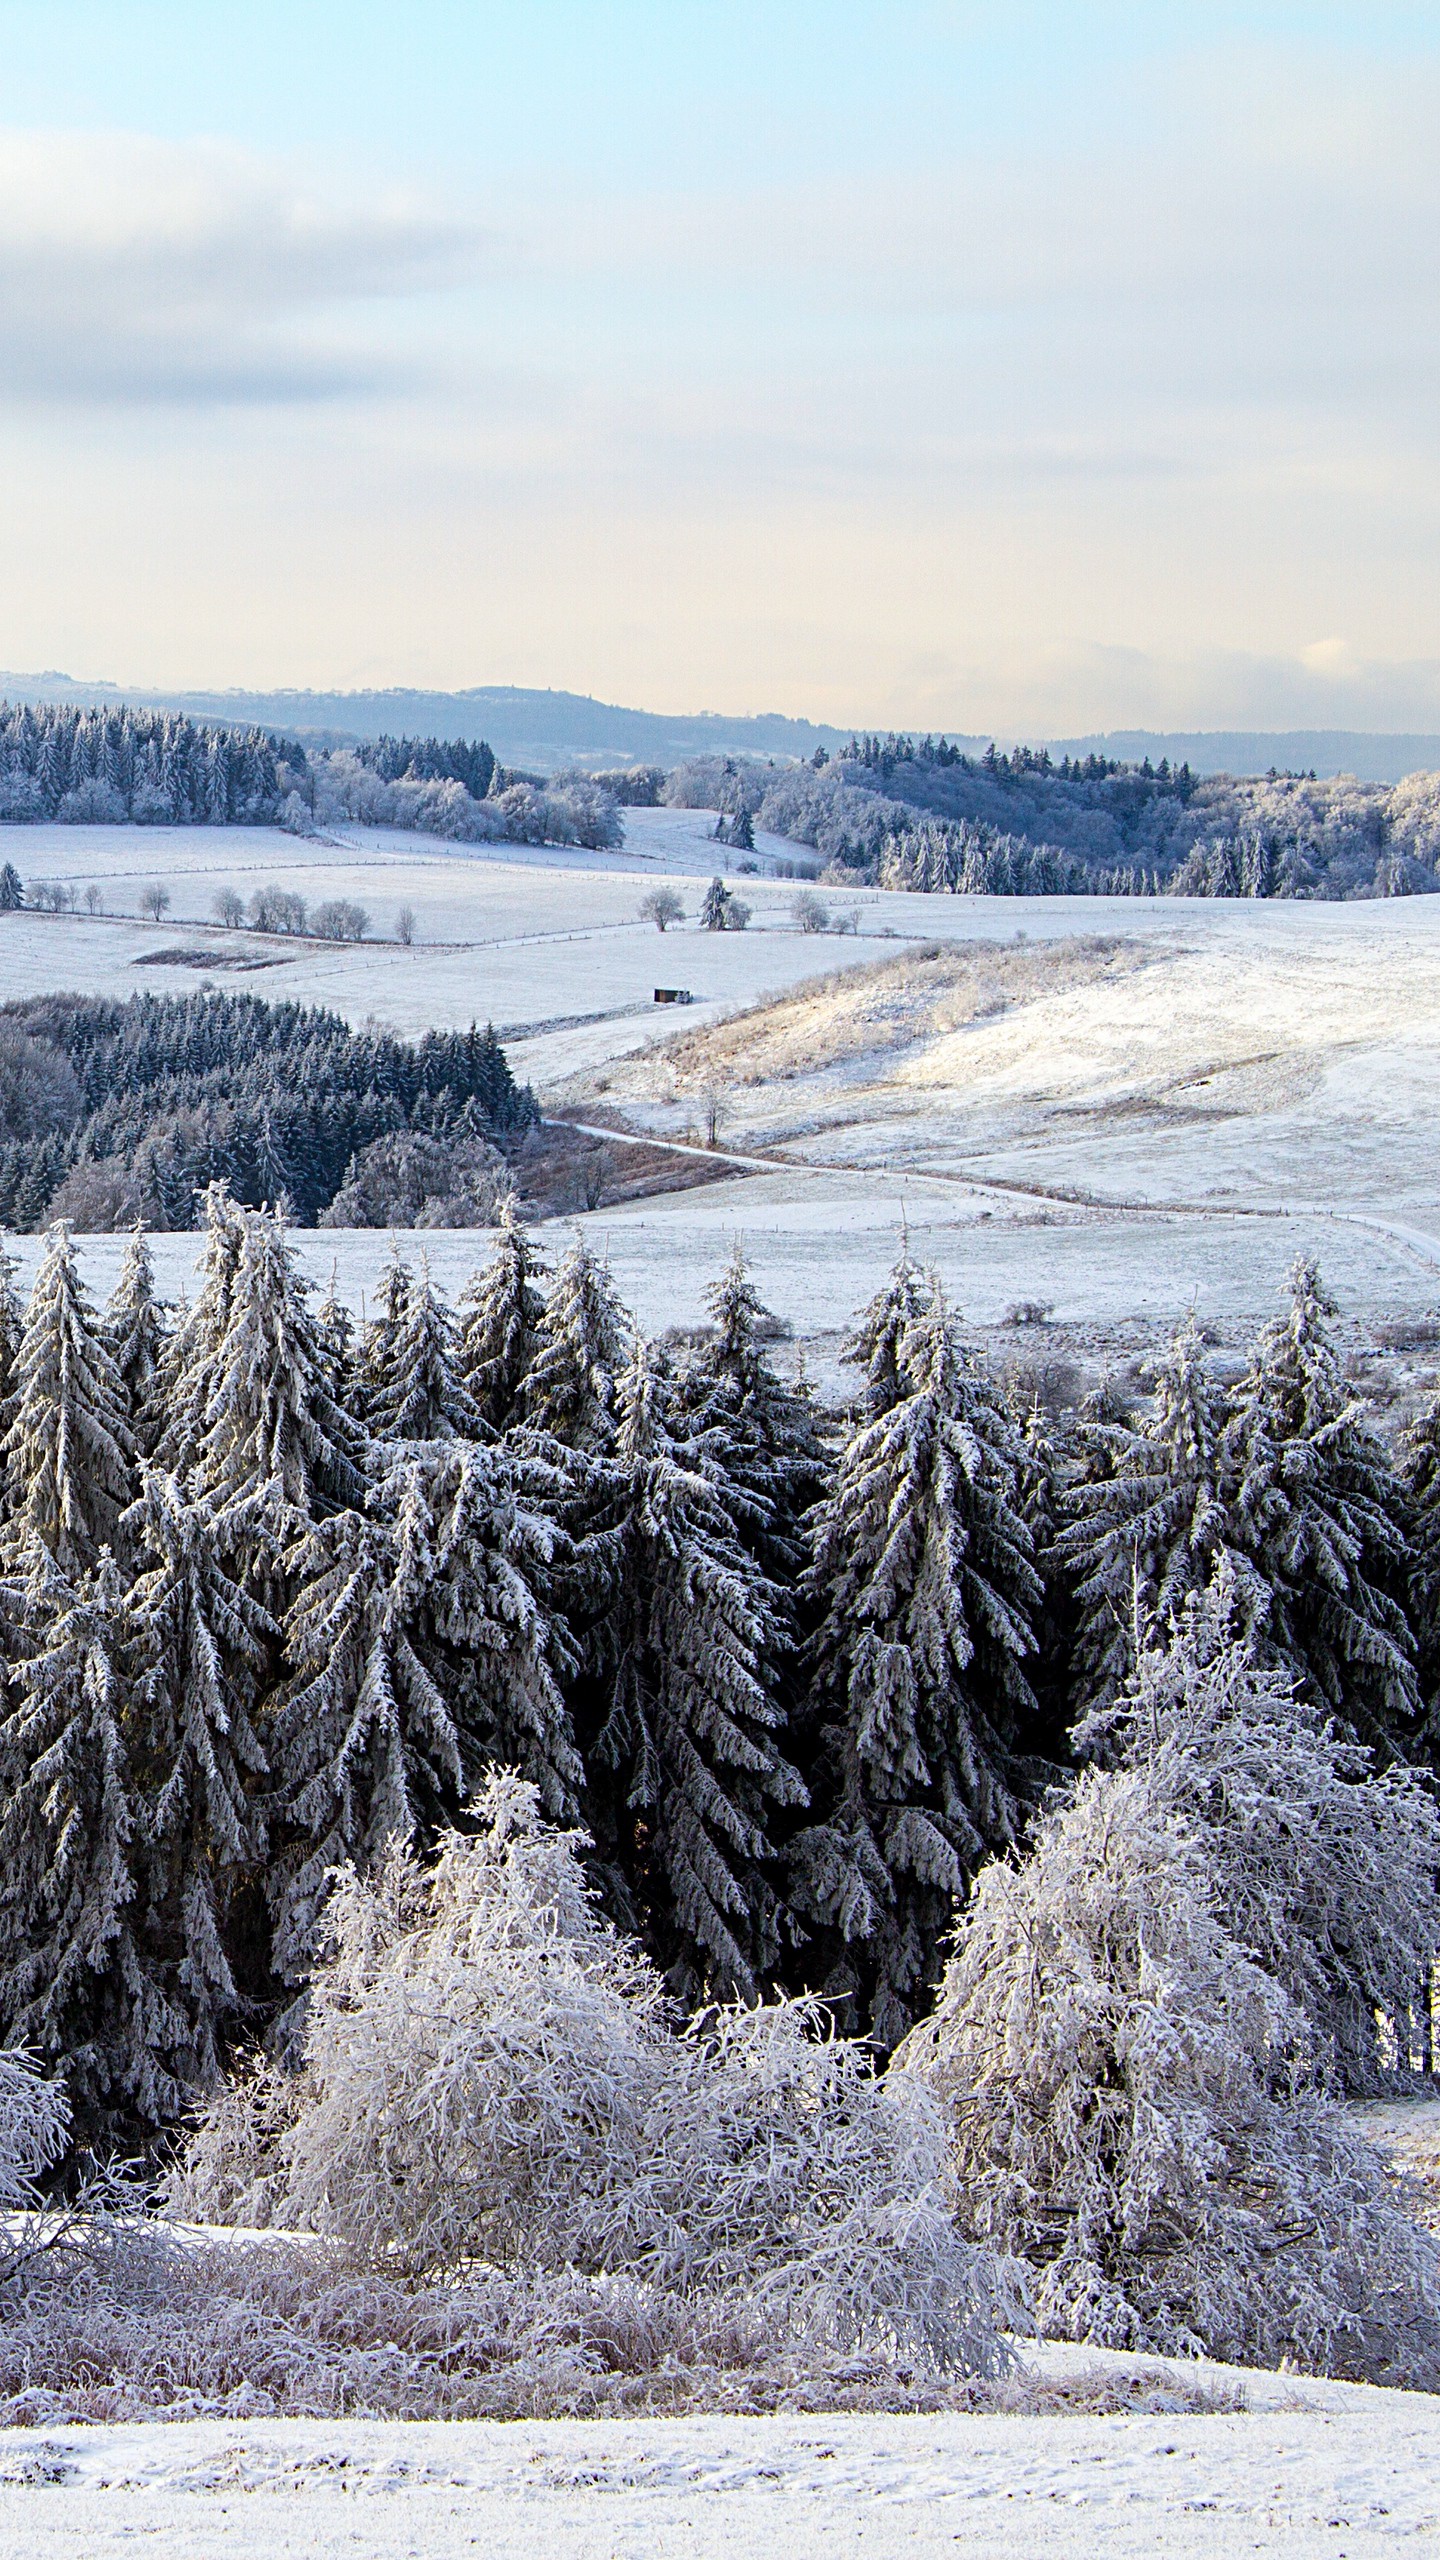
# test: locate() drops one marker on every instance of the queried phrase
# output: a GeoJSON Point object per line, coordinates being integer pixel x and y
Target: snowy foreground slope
{"type": "Point", "coordinates": [1300, 2467]}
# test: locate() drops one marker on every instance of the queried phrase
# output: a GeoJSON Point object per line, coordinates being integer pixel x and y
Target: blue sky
{"type": "Point", "coordinates": [1032, 368]}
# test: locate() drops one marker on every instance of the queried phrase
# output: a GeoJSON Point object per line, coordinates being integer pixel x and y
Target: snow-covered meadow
{"type": "Point", "coordinates": [1250, 1079]}
{"type": "Point", "coordinates": [1297, 2468]}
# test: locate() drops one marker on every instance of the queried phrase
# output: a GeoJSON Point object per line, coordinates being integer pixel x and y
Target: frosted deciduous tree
{"type": "Point", "coordinates": [77, 1984]}
{"type": "Point", "coordinates": [490, 2072]}
{"type": "Point", "coordinates": [1325, 1871]}
{"type": "Point", "coordinates": [685, 1771]}
{"type": "Point", "coordinates": [500, 1311]}
{"type": "Point", "coordinates": [1135, 2112]}
{"type": "Point", "coordinates": [922, 1706]}
{"type": "Point", "coordinates": [68, 1451]}
{"type": "Point", "coordinates": [135, 1333]}
{"type": "Point", "coordinates": [1319, 1516]}
{"type": "Point", "coordinates": [581, 1342]}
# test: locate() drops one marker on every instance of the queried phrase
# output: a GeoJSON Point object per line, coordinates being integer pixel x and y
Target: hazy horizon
{"type": "Point", "coordinates": [1017, 371]}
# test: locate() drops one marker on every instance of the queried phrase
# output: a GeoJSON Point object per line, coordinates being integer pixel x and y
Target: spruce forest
{"type": "Point", "coordinates": [279, 1591]}
{"type": "Point", "coordinates": [113, 1110]}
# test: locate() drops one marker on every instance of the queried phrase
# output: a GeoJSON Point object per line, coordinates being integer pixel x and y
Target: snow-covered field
{"type": "Point", "coordinates": [1223, 1060]}
{"type": "Point", "coordinates": [1301, 2468]}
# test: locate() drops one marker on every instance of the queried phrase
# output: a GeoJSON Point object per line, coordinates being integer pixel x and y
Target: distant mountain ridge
{"type": "Point", "coordinates": [525, 726]}
{"type": "Point", "coordinates": [545, 730]}
{"type": "Point", "coordinates": [1371, 755]}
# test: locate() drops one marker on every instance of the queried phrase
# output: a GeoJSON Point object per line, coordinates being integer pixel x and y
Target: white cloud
{"type": "Point", "coordinates": [136, 269]}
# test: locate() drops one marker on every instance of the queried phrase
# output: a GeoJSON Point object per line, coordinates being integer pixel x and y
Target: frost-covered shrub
{"type": "Point", "coordinates": [491, 2076]}
{"type": "Point", "coordinates": [92, 803]}
{"type": "Point", "coordinates": [34, 2127]}
{"type": "Point", "coordinates": [1134, 2110]}
{"type": "Point", "coordinates": [1325, 1870]}
{"type": "Point", "coordinates": [407, 1179]}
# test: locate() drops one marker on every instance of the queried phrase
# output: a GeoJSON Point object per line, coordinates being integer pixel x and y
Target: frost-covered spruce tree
{"type": "Point", "coordinates": [1148, 1514]}
{"type": "Point", "coordinates": [1325, 1871]}
{"type": "Point", "coordinates": [477, 1567]}
{"type": "Point", "coordinates": [375, 1350]}
{"type": "Point", "coordinates": [762, 1434]}
{"type": "Point", "coordinates": [874, 1342]}
{"type": "Point", "coordinates": [420, 1652]}
{"type": "Point", "coordinates": [685, 1770]}
{"type": "Point", "coordinates": [277, 1451]}
{"type": "Point", "coordinates": [335, 1333]}
{"type": "Point", "coordinates": [135, 1332]}
{"type": "Point", "coordinates": [200, 1648]}
{"type": "Point", "coordinates": [186, 1374]}
{"type": "Point", "coordinates": [500, 1312]}
{"type": "Point", "coordinates": [1319, 1516]}
{"type": "Point", "coordinates": [68, 1451]}
{"type": "Point", "coordinates": [365, 1751]}
{"type": "Point", "coordinates": [11, 1327]}
{"type": "Point", "coordinates": [413, 1389]}
{"type": "Point", "coordinates": [78, 1985]}
{"type": "Point", "coordinates": [922, 1713]}
{"type": "Point", "coordinates": [1135, 2112]}
{"type": "Point", "coordinates": [581, 1342]}
{"type": "Point", "coordinates": [1420, 1485]}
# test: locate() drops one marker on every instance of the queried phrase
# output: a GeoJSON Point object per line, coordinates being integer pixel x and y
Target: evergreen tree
{"type": "Point", "coordinates": [77, 1985]}
{"type": "Point", "coordinates": [1420, 1484]}
{"type": "Point", "coordinates": [366, 1751]}
{"type": "Point", "coordinates": [135, 1333]}
{"type": "Point", "coordinates": [11, 1326]}
{"type": "Point", "coordinates": [582, 1340]}
{"type": "Point", "coordinates": [12, 895]}
{"type": "Point", "coordinates": [335, 1330]}
{"type": "Point", "coordinates": [67, 1450]}
{"type": "Point", "coordinates": [277, 1449]}
{"type": "Point", "coordinates": [1148, 1520]}
{"type": "Point", "coordinates": [715, 910]}
{"type": "Point", "coordinates": [375, 1358]}
{"type": "Point", "coordinates": [685, 1773]}
{"type": "Point", "coordinates": [875, 1342]}
{"type": "Point", "coordinates": [501, 1310]}
{"type": "Point", "coordinates": [1320, 1518]}
{"type": "Point", "coordinates": [923, 1710]}
{"type": "Point", "coordinates": [763, 1436]}
{"type": "Point", "coordinates": [186, 1376]}
{"type": "Point", "coordinates": [412, 1385]}
{"type": "Point", "coordinates": [200, 1648]}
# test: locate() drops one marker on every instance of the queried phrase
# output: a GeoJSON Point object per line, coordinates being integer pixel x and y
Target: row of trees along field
{"type": "Point", "coordinates": [277, 1590]}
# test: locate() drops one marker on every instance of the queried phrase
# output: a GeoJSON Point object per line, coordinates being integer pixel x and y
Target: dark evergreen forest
{"type": "Point", "coordinates": [166, 1094]}
{"type": "Point", "coordinates": [276, 1591]}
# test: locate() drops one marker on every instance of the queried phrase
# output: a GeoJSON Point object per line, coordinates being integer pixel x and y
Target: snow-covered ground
{"type": "Point", "coordinates": [1223, 1059]}
{"type": "Point", "coordinates": [1301, 2468]}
